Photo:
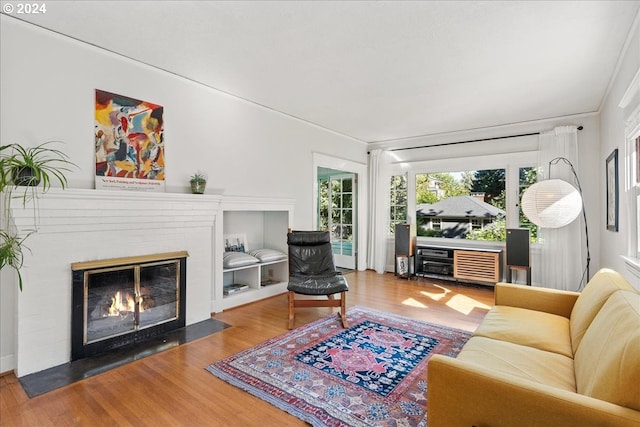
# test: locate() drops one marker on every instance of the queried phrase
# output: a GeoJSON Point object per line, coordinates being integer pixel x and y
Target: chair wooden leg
{"type": "Point", "coordinates": [333, 302]}
{"type": "Point", "coordinates": [292, 311]}
{"type": "Point", "coordinates": [343, 309]}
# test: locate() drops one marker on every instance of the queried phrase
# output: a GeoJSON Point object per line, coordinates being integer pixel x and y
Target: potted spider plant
{"type": "Point", "coordinates": [23, 170]}
{"type": "Point", "coordinates": [12, 248]}
{"type": "Point", "coordinates": [30, 166]}
{"type": "Point", "coordinates": [198, 182]}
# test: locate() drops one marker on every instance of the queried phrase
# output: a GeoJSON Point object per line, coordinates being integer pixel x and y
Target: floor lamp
{"type": "Point", "coordinates": [554, 203]}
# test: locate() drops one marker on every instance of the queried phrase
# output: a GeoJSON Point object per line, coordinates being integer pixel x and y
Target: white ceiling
{"type": "Point", "coordinates": [374, 71]}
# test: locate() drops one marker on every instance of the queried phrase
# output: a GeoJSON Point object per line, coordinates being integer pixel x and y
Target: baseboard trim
{"type": "Point", "coordinates": [7, 364]}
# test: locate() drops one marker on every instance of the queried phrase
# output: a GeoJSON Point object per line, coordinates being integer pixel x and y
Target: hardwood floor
{"type": "Point", "coordinates": [172, 388]}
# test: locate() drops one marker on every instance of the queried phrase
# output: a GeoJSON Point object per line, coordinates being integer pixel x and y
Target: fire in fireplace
{"type": "Point", "coordinates": [126, 300]}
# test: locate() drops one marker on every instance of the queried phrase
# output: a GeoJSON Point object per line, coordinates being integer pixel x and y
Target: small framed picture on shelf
{"type": "Point", "coordinates": [235, 243]}
{"type": "Point", "coordinates": [612, 190]}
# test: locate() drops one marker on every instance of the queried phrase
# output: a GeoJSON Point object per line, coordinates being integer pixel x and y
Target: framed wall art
{"type": "Point", "coordinates": [129, 143]}
{"type": "Point", "coordinates": [612, 190]}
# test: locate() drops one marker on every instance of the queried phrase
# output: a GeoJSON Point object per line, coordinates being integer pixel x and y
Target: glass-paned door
{"type": "Point", "coordinates": [337, 201]}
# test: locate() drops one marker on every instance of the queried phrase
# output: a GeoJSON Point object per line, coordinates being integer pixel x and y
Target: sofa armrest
{"type": "Point", "coordinates": [460, 393]}
{"type": "Point", "coordinates": [551, 301]}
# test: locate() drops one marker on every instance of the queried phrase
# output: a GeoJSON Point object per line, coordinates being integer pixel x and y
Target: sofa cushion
{"type": "Point", "coordinates": [607, 363]}
{"type": "Point", "coordinates": [524, 362]}
{"type": "Point", "coordinates": [537, 329]}
{"type": "Point", "coordinates": [604, 283]}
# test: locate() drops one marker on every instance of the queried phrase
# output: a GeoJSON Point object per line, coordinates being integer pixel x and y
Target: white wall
{"type": "Point", "coordinates": [48, 84]}
{"type": "Point", "coordinates": [615, 244]}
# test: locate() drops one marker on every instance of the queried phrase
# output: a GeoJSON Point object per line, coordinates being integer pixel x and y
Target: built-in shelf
{"type": "Point", "coordinates": [257, 276]}
{"type": "Point", "coordinates": [264, 222]}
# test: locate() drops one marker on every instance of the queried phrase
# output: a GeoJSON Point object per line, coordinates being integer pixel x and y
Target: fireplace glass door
{"type": "Point", "coordinates": [125, 299]}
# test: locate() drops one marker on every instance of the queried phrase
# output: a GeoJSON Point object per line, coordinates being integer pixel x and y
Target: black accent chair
{"type": "Point", "coordinates": [312, 272]}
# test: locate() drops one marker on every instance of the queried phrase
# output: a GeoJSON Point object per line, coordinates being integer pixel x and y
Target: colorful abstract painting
{"type": "Point", "coordinates": [129, 143]}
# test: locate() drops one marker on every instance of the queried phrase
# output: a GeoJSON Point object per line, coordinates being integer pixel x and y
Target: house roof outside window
{"type": "Point", "coordinates": [463, 207]}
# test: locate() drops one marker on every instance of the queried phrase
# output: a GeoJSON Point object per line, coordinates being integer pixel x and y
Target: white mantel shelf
{"type": "Point", "coordinates": [242, 203]}
{"type": "Point", "coordinates": [90, 210]}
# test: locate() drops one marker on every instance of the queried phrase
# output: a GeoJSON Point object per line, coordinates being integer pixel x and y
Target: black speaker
{"type": "Point", "coordinates": [405, 244]}
{"type": "Point", "coordinates": [518, 247]}
{"type": "Point", "coordinates": [404, 240]}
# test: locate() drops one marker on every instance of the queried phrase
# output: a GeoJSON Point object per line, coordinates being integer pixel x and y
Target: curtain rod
{"type": "Point", "coordinates": [472, 140]}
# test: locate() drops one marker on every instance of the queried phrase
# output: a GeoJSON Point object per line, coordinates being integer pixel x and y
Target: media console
{"type": "Point", "coordinates": [464, 263]}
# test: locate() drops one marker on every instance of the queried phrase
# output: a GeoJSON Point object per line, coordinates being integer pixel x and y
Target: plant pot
{"type": "Point", "coordinates": [24, 176]}
{"type": "Point", "coordinates": [197, 187]}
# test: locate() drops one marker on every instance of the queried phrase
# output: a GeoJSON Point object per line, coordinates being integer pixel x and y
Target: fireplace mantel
{"type": "Point", "coordinates": [115, 262]}
{"type": "Point", "coordinates": [91, 210]}
{"type": "Point", "coordinates": [78, 225]}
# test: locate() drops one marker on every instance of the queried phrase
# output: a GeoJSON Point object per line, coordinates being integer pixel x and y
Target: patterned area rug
{"type": "Point", "coordinates": [372, 374]}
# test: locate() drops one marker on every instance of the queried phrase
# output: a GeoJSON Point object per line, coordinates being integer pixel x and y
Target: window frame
{"type": "Point", "coordinates": [630, 108]}
{"type": "Point", "coordinates": [632, 180]}
{"type": "Point", "coordinates": [390, 221]}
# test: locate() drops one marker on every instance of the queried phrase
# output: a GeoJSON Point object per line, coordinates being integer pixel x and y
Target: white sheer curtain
{"type": "Point", "coordinates": [378, 210]}
{"type": "Point", "coordinates": [563, 253]}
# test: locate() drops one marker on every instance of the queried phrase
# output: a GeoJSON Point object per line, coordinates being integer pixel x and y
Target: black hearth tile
{"type": "Point", "coordinates": [68, 373]}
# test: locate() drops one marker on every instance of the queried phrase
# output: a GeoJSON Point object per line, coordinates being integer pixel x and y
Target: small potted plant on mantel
{"type": "Point", "coordinates": [22, 171]}
{"type": "Point", "coordinates": [198, 182]}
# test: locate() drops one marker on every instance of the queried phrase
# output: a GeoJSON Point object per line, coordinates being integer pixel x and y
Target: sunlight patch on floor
{"type": "Point", "coordinates": [465, 305]}
{"type": "Point", "coordinates": [460, 303]}
{"type": "Point", "coordinates": [436, 296]}
{"type": "Point", "coordinates": [411, 302]}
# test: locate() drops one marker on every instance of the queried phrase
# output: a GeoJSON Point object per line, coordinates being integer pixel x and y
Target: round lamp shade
{"type": "Point", "coordinates": [551, 204]}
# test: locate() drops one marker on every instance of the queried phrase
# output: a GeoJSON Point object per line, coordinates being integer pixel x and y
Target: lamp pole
{"type": "Point", "coordinates": [584, 213]}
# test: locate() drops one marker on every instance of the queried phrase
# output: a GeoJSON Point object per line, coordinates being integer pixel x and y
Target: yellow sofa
{"type": "Point", "coordinates": [544, 357]}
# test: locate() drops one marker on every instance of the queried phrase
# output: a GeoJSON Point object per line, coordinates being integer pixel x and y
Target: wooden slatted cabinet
{"type": "Point", "coordinates": [479, 266]}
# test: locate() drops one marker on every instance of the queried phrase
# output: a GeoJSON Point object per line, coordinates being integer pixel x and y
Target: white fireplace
{"type": "Point", "coordinates": [88, 225]}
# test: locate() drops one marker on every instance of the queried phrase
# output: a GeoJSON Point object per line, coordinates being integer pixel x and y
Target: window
{"type": "Point", "coordinates": [630, 109]}
{"type": "Point", "coordinates": [453, 171]}
{"type": "Point", "coordinates": [464, 205]}
{"type": "Point", "coordinates": [527, 177]}
{"type": "Point", "coordinates": [336, 211]}
{"type": "Point", "coordinates": [633, 188]}
{"type": "Point", "coordinates": [397, 201]}
{"type": "Point", "coordinates": [638, 225]}
{"type": "Point", "coordinates": [636, 155]}
{"type": "Point", "coordinates": [323, 204]}
{"type": "Point", "coordinates": [341, 225]}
